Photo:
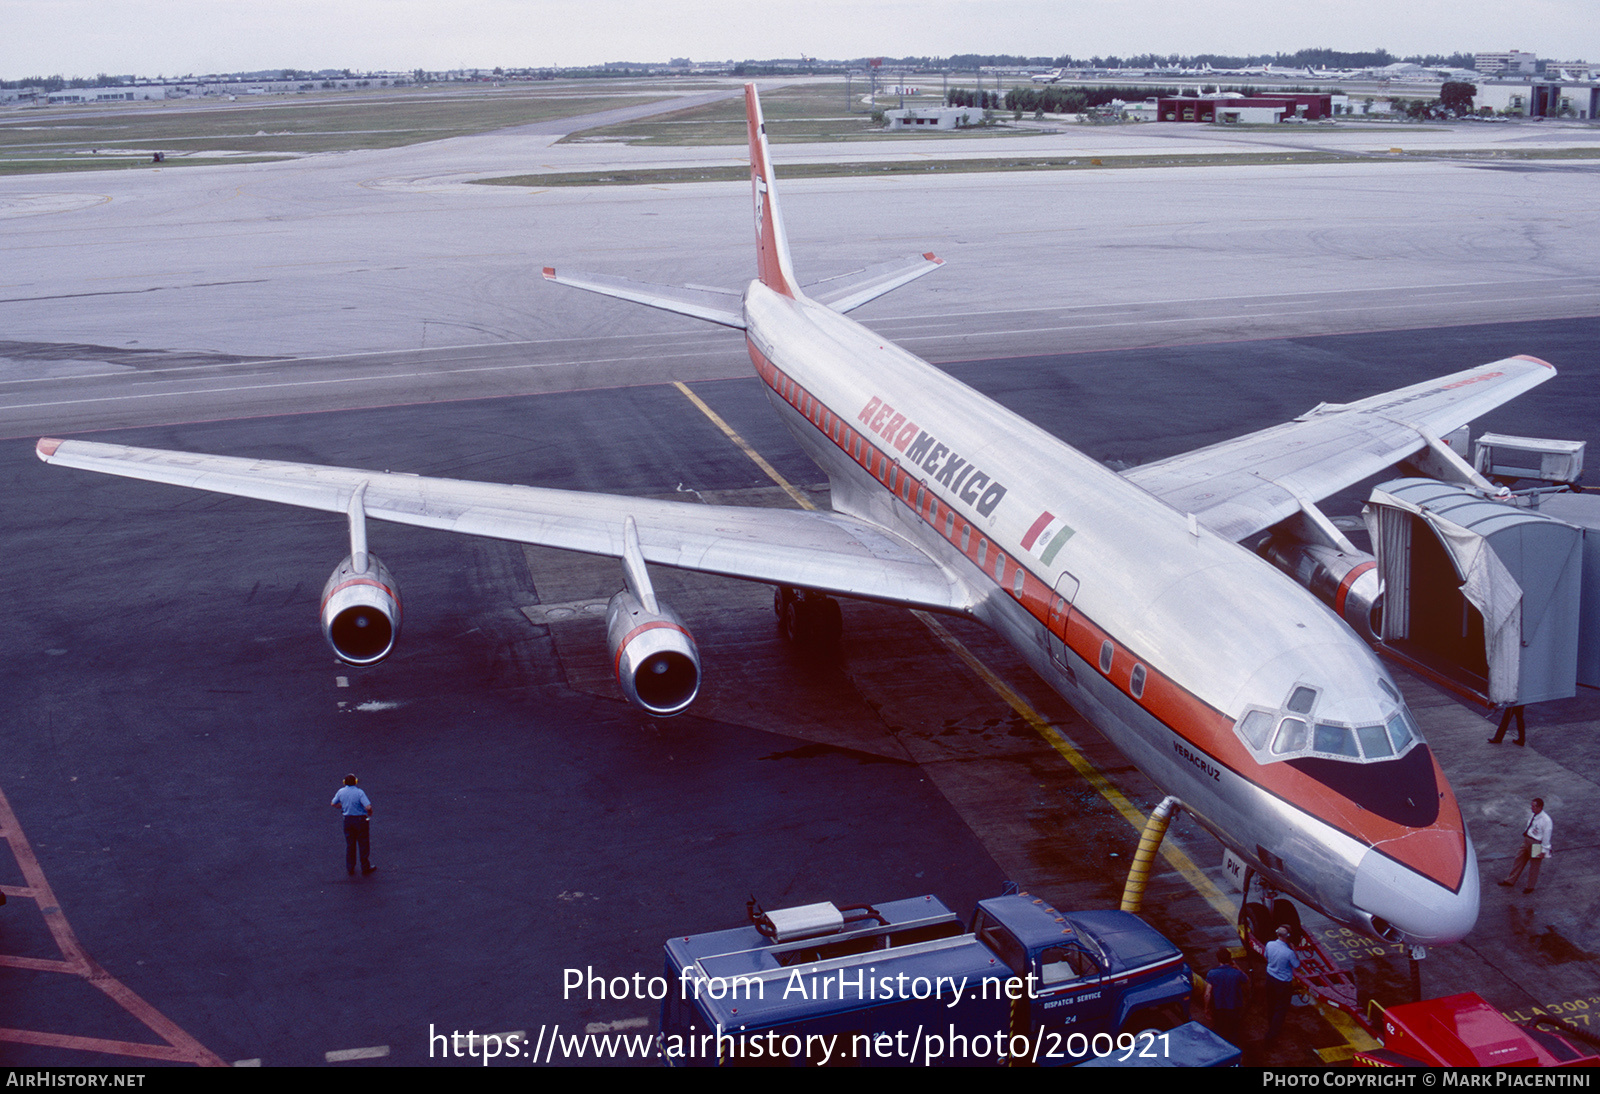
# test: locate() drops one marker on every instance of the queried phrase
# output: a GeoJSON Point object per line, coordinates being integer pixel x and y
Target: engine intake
{"type": "Point", "coordinates": [653, 654]}
{"type": "Point", "coordinates": [361, 611]}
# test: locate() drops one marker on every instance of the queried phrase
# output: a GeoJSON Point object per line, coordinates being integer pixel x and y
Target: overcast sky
{"type": "Point", "coordinates": [174, 37]}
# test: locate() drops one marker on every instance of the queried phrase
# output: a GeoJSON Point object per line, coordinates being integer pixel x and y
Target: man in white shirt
{"type": "Point", "coordinates": [1535, 847]}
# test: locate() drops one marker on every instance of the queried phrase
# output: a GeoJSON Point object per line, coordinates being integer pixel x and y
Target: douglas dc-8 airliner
{"type": "Point", "coordinates": [1230, 685]}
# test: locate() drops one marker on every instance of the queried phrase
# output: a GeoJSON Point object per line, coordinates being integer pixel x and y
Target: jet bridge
{"type": "Point", "coordinates": [1484, 597]}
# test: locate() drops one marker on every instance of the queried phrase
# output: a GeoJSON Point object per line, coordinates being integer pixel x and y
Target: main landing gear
{"type": "Point", "coordinates": [810, 619]}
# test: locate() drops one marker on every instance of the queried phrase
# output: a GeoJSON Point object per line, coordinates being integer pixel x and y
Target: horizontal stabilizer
{"type": "Point", "coordinates": [849, 291]}
{"type": "Point", "coordinates": [716, 307]}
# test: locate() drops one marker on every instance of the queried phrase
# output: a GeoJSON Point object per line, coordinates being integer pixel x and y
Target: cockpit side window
{"type": "Point", "coordinates": [1256, 727]}
{"type": "Point", "coordinates": [1400, 731]}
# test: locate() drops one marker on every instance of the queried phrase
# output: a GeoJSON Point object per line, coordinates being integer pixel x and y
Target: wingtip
{"type": "Point", "coordinates": [931, 257]}
{"type": "Point", "coordinates": [549, 273]}
{"type": "Point", "coordinates": [1535, 360]}
{"type": "Point", "coordinates": [47, 447]}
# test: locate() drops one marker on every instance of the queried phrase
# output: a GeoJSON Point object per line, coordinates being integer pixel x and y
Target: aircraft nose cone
{"type": "Point", "coordinates": [1419, 908]}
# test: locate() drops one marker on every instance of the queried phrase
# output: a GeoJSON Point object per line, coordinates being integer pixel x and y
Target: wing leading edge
{"type": "Point", "coordinates": [826, 551]}
{"type": "Point", "coordinates": [1240, 487]}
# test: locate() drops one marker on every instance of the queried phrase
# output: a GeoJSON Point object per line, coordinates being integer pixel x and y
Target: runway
{"type": "Point", "coordinates": [177, 726]}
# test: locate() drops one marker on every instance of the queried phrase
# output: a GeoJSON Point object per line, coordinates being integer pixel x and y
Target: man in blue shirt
{"type": "Point", "coordinates": [1225, 995]}
{"type": "Point", "coordinates": [357, 809]}
{"type": "Point", "coordinates": [1282, 962]}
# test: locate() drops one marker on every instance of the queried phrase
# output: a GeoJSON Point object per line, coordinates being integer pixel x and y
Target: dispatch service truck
{"type": "Point", "coordinates": [905, 982]}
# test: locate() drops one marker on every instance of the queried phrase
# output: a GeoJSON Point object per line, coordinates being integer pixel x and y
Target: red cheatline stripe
{"type": "Point", "coordinates": [180, 1047]}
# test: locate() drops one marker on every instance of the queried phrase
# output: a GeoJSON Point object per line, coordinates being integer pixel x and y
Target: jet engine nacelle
{"type": "Point", "coordinates": [1348, 583]}
{"type": "Point", "coordinates": [653, 655]}
{"type": "Point", "coordinates": [361, 611]}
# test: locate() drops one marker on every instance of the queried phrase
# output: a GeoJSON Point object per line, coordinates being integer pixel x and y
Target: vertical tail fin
{"type": "Point", "coordinates": [772, 246]}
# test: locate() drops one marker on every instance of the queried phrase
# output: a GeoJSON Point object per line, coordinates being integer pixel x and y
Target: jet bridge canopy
{"type": "Point", "coordinates": [1481, 596]}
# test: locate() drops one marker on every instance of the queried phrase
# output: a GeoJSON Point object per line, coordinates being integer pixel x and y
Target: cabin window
{"type": "Point", "coordinates": [1017, 580]}
{"type": "Point", "coordinates": [1000, 568]}
{"type": "Point", "coordinates": [949, 523]}
{"type": "Point", "coordinates": [983, 550]}
{"type": "Point", "coordinates": [966, 536]}
{"type": "Point", "coordinates": [1136, 682]}
{"type": "Point", "coordinates": [1107, 653]}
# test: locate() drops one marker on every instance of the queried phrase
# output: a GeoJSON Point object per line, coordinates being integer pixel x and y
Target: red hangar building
{"type": "Point", "coordinates": [1238, 108]}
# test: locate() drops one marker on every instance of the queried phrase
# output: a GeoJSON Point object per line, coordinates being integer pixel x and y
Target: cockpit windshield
{"type": "Point", "coordinates": [1293, 731]}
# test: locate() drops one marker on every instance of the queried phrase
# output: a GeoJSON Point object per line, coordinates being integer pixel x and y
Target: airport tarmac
{"type": "Point", "coordinates": [176, 724]}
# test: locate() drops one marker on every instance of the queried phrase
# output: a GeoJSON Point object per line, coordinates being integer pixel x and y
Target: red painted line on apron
{"type": "Point", "coordinates": [97, 1044]}
{"type": "Point", "coordinates": [179, 1047]}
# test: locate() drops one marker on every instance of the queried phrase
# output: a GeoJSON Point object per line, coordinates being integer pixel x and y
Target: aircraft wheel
{"type": "Point", "coordinates": [792, 621]}
{"type": "Point", "coordinates": [830, 622]}
{"type": "Point", "coordinates": [810, 620]}
{"type": "Point", "coordinates": [1257, 921]}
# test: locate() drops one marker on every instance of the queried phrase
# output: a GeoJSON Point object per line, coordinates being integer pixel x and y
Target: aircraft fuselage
{"type": "Point", "coordinates": [1163, 634]}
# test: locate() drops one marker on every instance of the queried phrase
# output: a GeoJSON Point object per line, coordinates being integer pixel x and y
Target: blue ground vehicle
{"type": "Point", "coordinates": [905, 983]}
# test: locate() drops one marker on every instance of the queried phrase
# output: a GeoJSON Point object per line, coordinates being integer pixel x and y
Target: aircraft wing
{"type": "Point", "coordinates": [1240, 487]}
{"type": "Point", "coordinates": [813, 550]}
